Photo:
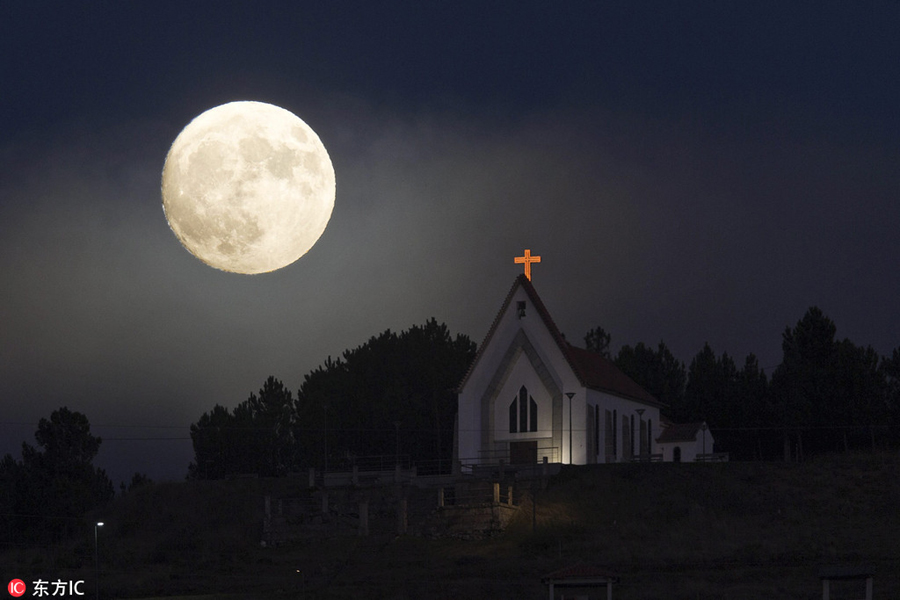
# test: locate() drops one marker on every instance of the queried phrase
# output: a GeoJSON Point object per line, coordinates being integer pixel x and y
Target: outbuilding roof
{"type": "Point", "coordinates": [679, 432]}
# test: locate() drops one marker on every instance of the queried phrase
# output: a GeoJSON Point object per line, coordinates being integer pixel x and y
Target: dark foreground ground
{"type": "Point", "coordinates": [689, 531]}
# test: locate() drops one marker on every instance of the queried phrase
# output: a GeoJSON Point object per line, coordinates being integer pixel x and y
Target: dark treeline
{"type": "Point", "coordinates": [46, 493]}
{"type": "Point", "coordinates": [827, 394]}
{"type": "Point", "coordinates": [394, 394]}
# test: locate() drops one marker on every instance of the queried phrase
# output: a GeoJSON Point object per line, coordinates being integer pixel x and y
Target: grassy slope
{"type": "Point", "coordinates": [738, 530]}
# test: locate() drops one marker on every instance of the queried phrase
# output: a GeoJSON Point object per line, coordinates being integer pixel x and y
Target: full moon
{"type": "Point", "coordinates": [248, 187]}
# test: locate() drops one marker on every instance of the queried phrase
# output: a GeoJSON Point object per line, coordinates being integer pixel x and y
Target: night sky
{"type": "Point", "coordinates": [689, 172]}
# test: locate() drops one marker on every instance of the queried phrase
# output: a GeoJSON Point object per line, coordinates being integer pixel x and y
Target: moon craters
{"type": "Point", "coordinates": [248, 187]}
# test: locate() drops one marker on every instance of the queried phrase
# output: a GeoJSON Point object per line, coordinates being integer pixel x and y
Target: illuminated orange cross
{"type": "Point", "coordinates": [527, 260]}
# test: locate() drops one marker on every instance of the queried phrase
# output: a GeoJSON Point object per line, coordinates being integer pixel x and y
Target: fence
{"type": "Point", "coordinates": [512, 460]}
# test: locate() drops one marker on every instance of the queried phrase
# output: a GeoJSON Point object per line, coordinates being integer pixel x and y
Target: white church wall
{"type": "Point", "coordinates": [469, 432]}
{"type": "Point", "coordinates": [620, 408]}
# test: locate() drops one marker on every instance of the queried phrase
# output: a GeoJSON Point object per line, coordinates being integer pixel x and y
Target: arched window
{"type": "Point", "coordinates": [532, 415]}
{"type": "Point", "coordinates": [523, 409]}
{"type": "Point", "coordinates": [523, 413]}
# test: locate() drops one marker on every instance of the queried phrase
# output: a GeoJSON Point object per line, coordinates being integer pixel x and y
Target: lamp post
{"type": "Point", "coordinates": [640, 412]}
{"type": "Point", "coordinates": [325, 428]}
{"type": "Point", "coordinates": [570, 394]}
{"type": "Point", "coordinates": [97, 526]}
{"type": "Point", "coordinates": [703, 427]}
{"type": "Point", "coordinates": [397, 447]}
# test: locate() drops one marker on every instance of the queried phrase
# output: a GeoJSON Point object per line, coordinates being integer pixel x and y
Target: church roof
{"type": "Point", "coordinates": [599, 373]}
{"type": "Point", "coordinates": [592, 369]}
{"type": "Point", "coordinates": [679, 432]}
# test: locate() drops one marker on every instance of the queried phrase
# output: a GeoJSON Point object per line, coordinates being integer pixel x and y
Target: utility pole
{"type": "Point", "coordinates": [570, 395]}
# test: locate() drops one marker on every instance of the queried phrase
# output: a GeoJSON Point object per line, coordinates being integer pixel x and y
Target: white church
{"type": "Point", "coordinates": [530, 395]}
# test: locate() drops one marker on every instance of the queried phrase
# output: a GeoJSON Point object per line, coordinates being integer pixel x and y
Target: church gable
{"type": "Point", "coordinates": [523, 405]}
{"type": "Point", "coordinates": [503, 399]}
{"type": "Point", "coordinates": [521, 311]}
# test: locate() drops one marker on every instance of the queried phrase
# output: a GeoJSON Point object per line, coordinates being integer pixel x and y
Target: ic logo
{"type": "Point", "coordinates": [16, 588]}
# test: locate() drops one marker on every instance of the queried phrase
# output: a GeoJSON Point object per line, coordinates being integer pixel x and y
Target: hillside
{"type": "Point", "coordinates": [729, 530]}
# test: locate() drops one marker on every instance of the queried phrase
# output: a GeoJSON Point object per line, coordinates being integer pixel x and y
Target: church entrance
{"type": "Point", "coordinates": [523, 453]}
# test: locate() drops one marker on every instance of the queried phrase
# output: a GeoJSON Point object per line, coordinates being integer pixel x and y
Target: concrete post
{"type": "Point", "coordinates": [355, 475]}
{"type": "Point", "coordinates": [440, 497]}
{"type": "Point", "coordinates": [402, 506]}
{"type": "Point", "coordinates": [509, 495]}
{"type": "Point", "coordinates": [324, 502]}
{"type": "Point", "coordinates": [364, 517]}
{"type": "Point", "coordinates": [312, 477]}
{"type": "Point", "coordinates": [496, 493]}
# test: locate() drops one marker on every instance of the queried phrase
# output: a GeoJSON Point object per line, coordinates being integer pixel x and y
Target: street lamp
{"type": "Point", "coordinates": [97, 526]}
{"type": "Point", "coordinates": [570, 394]}
{"type": "Point", "coordinates": [640, 412]}
{"type": "Point", "coordinates": [325, 436]}
{"type": "Point", "coordinates": [704, 428]}
{"type": "Point", "coordinates": [397, 446]}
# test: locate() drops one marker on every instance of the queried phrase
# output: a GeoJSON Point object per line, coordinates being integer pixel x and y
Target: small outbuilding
{"type": "Point", "coordinates": [686, 442]}
{"type": "Point", "coordinates": [582, 581]}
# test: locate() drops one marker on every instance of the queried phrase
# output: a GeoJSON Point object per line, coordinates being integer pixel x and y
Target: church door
{"type": "Point", "coordinates": [523, 453]}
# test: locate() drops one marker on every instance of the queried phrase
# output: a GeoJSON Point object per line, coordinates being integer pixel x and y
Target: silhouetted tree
{"type": "Point", "coordinates": [802, 383]}
{"type": "Point", "coordinates": [834, 391]}
{"type": "Point", "coordinates": [711, 386]}
{"type": "Point", "coordinates": [216, 445]}
{"type": "Point", "coordinates": [137, 480]}
{"type": "Point", "coordinates": [256, 437]}
{"type": "Point", "coordinates": [350, 405]}
{"type": "Point", "coordinates": [55, 484]}
{"type": "Point", "coordinates": [597, 340]}
{"type": "Point", "coordinates": [268, 423]}
{"type": "Point", "coordinates": [890, 370]}
{"type": "Point", "coordinates": [354, 402]}
{"type": "Point", "coordinates": [753, 412]}
{"type": "Point", "coordinates": [734, 402]}
{"type": "Point", "coordinates": [658, 371]}
{"type": "Point", "coordinates": [859, 397]}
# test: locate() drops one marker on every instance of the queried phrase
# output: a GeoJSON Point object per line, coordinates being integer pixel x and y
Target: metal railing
{"type": "Point", "coordinates": [500, 457]}
{"type": "Point", "coordinates": [373, 462]}
{"type": "Point", "coordinates": [647, 458]}
{"type": "Point", "coordinates": [712, 457]}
